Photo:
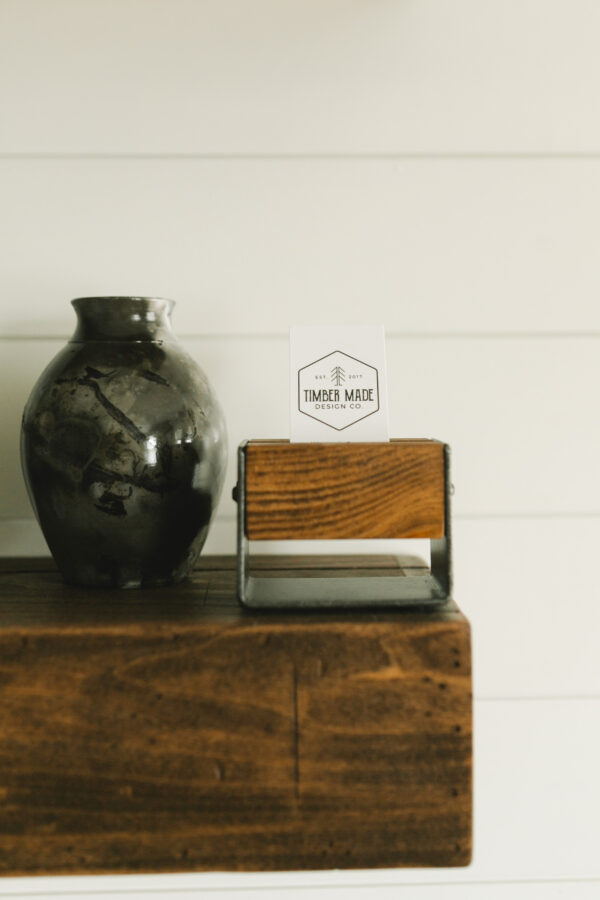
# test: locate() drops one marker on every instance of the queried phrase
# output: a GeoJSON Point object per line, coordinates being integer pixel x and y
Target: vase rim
{"type": "Point", "coordinates": [122, 297]}
{"type": "Point", "coordinates": [122, 318]}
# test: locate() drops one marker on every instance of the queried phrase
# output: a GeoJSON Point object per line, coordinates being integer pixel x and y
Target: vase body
{"type": "Point", "coordinates": [123, 448]}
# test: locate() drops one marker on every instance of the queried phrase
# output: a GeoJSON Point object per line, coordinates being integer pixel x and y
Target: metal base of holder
{"type": "Point", "coordinates": [307, 593]}
{"type": "Point", "coordinates": [430, 589]}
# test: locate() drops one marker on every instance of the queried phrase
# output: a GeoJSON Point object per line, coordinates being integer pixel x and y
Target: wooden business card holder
{"type": "Point", "coordinates": [329, 491]}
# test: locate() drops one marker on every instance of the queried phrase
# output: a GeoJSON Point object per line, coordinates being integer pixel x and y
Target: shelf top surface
{"type": "Point", "coordinates": [33, 596]}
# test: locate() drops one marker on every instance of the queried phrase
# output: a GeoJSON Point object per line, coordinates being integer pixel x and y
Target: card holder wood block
{"type": "Point", "coordinates": [173, 730]}
{"type": "Point", "coordinates": [344, 490]}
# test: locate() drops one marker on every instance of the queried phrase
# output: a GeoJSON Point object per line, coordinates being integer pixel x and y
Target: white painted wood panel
{"type": "Point", "coordinates": [254, 246]}
{"type": "Point", "coordinates": [537, 794]}
{"type": "Point", "coordinates": [537, 789]}
{"type": "Point", "coordinates": [525, 585]}
{"type": "Point", "coordinates": [517, 413]}
{"type": "Point", "coordinates": [299, 77]}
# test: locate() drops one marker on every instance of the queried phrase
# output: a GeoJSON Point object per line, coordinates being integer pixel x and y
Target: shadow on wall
{"type": "Point", "coordinates": [21, 363]}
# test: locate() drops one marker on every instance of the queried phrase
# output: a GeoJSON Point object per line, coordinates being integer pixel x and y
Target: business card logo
{"type": "Point", "coordinates": [338, 390]}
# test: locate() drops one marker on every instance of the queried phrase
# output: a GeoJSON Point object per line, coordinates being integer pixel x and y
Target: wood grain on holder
{"type": "Point", "coordinates": [347, 490]}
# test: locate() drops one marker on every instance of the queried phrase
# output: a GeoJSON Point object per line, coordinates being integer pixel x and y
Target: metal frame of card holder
{"type": "Point", "coordinates": [423, 590]}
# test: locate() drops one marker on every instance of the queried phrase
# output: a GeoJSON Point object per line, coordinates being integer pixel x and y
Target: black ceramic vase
{"type": "Point", "coordinates": [123, 448]}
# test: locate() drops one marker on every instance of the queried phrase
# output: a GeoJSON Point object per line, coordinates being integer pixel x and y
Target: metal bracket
{"type": "Point", "coordinates": [431, 589]}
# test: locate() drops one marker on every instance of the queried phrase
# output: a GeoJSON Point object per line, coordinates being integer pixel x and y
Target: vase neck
{"type": "Point", "coordinates": [123, 319]}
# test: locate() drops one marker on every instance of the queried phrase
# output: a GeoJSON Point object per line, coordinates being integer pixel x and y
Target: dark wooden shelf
{"type": "Point", "coordinates": [172, 730]}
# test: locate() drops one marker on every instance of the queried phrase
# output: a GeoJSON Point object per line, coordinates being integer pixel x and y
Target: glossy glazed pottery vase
{"type": "Point", "coordinates": [123, 448]}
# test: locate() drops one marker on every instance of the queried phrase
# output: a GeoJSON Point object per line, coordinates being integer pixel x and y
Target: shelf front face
{"type": "Point", "coordinates": [171, 730]}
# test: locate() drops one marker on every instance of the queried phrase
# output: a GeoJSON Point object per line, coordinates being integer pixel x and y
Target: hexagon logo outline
{"type": "Point", "coordinates": [354, 421]}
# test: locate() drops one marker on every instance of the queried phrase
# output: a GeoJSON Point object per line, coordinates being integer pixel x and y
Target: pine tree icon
{"type": "Point", "coordinates": [338, 375]}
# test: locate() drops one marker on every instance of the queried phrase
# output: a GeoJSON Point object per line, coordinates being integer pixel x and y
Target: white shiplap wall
{"type": "Point", "coordinates": [431, 165]}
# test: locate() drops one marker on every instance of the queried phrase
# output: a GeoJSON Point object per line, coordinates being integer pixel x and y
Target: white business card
{"type": "Point", "coordinates": [338, 383]}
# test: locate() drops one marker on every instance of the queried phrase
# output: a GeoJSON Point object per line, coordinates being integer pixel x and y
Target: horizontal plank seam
{"type": "Point", "coordinates": [526, 515]}
{"type": "Point", "coordinates": [390, 335]}
{"type": "Point", "coordinates": [539, 698]}
{"type": "Point", "coordinates": [334, 156]}
{"type": "Point", "coordinates": [457, 517]}
{"type": "Point", "coordinates": [542, 698]}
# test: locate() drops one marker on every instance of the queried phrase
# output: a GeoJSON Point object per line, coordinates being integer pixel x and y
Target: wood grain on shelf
{"type": "Point", "coordinates": [172, 730]}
